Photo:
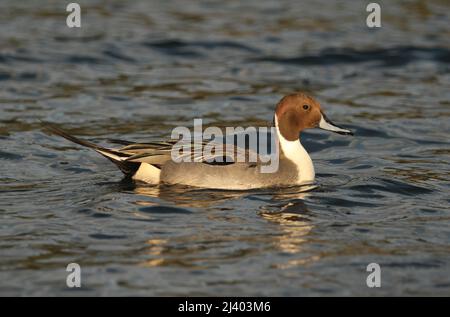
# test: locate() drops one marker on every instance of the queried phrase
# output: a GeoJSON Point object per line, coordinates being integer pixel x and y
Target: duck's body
{"type": "Point", "coordinates": [153, 163]}
{"type": "Point", "coordinates": [239, 176]}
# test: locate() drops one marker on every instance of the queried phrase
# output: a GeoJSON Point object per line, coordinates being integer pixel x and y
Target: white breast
{"type": "Point", "coordinates": [295, 152]}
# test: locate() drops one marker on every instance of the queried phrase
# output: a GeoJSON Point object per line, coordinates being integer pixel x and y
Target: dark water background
{"type": "Point", "coordinates": [136, 69]}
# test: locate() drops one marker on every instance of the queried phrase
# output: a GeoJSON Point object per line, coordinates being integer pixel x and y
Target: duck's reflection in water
{"type": "Point", "coordinates": [286, 208]}
{"type": "Point", "coordinates": [294, 220]}
{"type": "Point", "coordinates": [155, 250]}
{"type": "Point", "coordinates": [180, 251]}
{"type": "Point", "coordinates": [183, 196]}
{"type": "Point", "coordinates": [187, 197]}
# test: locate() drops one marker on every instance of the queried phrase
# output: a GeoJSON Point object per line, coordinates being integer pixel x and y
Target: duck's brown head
{"type": "Point", "coordinates": [297, 112]}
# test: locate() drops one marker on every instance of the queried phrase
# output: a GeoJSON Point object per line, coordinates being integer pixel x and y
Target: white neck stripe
{"type": "Point", "coordinates": [295, 152]}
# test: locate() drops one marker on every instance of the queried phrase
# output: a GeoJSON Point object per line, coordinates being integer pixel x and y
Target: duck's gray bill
{"type": "Point", "coordinates": [326, 124]}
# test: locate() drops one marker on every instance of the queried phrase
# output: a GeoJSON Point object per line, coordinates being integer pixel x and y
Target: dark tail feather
{"type": "Point", "coordinates": [128, 168]}
{"type": "Point", "coordinates": [58, 131]}
{"type": "Point", "coordinates": [120, 142]}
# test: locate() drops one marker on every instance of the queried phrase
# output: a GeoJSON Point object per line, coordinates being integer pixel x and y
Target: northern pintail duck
{"type": "Point", "coordinates": [152, 162]}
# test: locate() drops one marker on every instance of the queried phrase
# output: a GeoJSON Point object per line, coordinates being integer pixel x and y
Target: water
{"type": "Point", "coordinates": [136, 69]}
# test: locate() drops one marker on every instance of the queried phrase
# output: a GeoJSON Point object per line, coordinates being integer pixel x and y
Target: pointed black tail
{"type": "Point", "coordinates": [128, 168]}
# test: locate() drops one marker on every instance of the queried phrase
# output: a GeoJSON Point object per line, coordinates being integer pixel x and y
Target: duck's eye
{"type": "Point", "coordinates": [306, 107]}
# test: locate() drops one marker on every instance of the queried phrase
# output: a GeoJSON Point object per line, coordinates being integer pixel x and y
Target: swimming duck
{"type": "Point", "coordinates": [153, 163]}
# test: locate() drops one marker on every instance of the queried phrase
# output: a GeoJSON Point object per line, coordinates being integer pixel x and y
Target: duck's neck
{"type": "Point", "coordinates": [296, 153]}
